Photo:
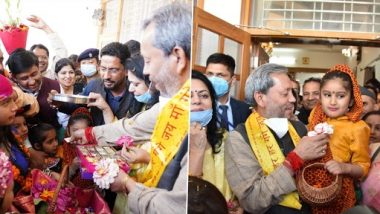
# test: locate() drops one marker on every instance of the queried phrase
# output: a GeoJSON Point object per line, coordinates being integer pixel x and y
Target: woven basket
{"type": "Point", "coordinates": [318, 196]}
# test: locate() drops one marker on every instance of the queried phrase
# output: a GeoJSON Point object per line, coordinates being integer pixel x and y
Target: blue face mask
{"type": "Point", "coordinates": [144, 98]}
{"type": "Point", "coordinates": [88, 70]}
{"type": "Point", "coordinates": [220, 85]}
{"type": "Point", "coordinates": [202, 117]}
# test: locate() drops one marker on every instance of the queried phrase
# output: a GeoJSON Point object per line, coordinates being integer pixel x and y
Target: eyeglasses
{"type": "Point", "coordinates": [112, 70]}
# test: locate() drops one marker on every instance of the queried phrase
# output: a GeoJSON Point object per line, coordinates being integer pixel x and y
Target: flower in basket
{"type": "Point", "coordinates": [124, 165]}
{"type": "Point", "coordinates": [12, 32]}
{"type": "Point", "coordinates": [105, 172]}
{"type": "Point", "coordinates": [46, 195]}
{"type": "Point", "coordinates": [44, 189]}
{"type": "Point", "coordinates": [321, 128]}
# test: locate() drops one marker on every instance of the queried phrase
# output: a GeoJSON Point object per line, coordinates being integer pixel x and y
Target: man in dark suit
{"type": "Point", "coordinates": [220, 70]}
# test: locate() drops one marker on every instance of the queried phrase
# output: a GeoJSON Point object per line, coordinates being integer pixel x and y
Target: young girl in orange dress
{"type": "Point", "coordinates": [347, 155]}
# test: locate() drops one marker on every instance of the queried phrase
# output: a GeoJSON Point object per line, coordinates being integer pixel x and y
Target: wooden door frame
{"type": "Point", "coordinates": [224, 29]}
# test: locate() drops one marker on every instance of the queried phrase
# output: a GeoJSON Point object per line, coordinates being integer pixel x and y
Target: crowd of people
{"type": "Point", "coordinates": [261, 164]}
{"type": "Point", "coordinates": [194, 147]}
{"type": "Point", "coordinates": [131, 89]}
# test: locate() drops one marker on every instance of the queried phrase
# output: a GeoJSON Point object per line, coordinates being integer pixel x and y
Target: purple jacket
{"type": "Point", "coordinates": [47, 114]}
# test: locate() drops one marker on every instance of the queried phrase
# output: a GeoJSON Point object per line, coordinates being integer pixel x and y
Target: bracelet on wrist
{"type": "Point", "coordinates": [89, 135]}
{"type": "Point", "coordinates": [295, 161]}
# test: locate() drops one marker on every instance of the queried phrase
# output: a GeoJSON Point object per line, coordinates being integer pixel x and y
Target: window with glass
{"type": "Point", "coordinates": [327, 15]}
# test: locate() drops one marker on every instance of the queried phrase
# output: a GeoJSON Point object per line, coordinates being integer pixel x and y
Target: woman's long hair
{"type": "Point", "coordinates": [214, 135]}
{"type": "Point", "coordinates": [6, 136]}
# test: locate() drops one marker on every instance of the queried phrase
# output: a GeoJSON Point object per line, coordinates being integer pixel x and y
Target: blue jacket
{"type": "Point", "coordinates": [129, 106]}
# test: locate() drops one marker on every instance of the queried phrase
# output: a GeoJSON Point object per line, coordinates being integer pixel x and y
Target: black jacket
{"type": "Point", "coordinates": [240, 111]}
{"type": "Point", "coordinates": [128, 105]}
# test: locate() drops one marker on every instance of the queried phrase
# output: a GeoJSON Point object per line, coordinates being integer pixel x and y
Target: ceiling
{"type": "Point", "coordinates": [279, 47]}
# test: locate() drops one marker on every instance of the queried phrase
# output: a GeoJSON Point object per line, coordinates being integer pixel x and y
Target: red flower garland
{"type": "Point", "coordinates": [21, 144]}
{"type": "Point", "coordinates": [24, 182]}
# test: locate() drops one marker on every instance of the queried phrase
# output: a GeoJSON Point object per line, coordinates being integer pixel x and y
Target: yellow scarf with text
{"type": "Point", "coordinates": [267, 151]}
{"type": "Point", "coordinates": [170, 129]}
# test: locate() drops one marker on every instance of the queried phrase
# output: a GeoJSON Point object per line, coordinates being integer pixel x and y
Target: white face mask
{"type": "Point", "coordinates": [163, 101]}
{"type": "Point", "coordinates": [88, 69]}
{"type": "Point", "coordinates": [278, 125]}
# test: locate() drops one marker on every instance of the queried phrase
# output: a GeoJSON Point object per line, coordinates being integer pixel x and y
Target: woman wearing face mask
{"type": "Point", "coordinates": [65, 73]}
{"type": "Point", "coordinates": [206, 140]}
{"type": "Point", "coordinates": [89, 61]}
{"type": "Point", "coordinates": [140, 85]}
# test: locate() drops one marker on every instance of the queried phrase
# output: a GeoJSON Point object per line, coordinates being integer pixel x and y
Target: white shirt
{"type": "Point", "coordinates": [63, 118]}
{"type": "Point", "coordinates": [162, 101]}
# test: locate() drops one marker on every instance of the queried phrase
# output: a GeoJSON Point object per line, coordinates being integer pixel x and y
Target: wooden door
{"type": "Point", "coordinates": [210, 35]}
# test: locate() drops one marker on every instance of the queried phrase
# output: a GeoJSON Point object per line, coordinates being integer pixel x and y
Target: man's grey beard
{"type": "Point", "coordinates": [171, 87]}
{"type": "Point", "coordinates": [170, 82]}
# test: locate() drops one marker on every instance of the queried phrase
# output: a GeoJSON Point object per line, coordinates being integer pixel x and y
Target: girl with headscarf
{"type": "Point", "coordinates": [347, 153]}
{"type": "Point", "coordinates": [12, 158]}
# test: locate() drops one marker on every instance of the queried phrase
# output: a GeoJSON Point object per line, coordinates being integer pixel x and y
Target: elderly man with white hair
{"type": "Point", "coordinates": [263, 155]}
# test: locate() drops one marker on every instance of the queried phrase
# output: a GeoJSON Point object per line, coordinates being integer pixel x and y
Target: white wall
{"type": "Point", "coordinates": [318, 59]}
{"type": "Point", "coordinates": [302, 76]}
{"type": "Point", "coordinates": [71, 19]}
{"type": "Point", "coordinates": [227, 10]}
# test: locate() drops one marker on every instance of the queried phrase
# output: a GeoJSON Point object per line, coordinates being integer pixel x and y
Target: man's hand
{"type": "Point", "coordinates": [78, 137]}
{"type": "Point", "coordinates": [135, 155]}
{"type": "Point", "coordinates": [123, 183]}
{"type": "Point", "coordinates": [310, 148]}
{"type": "Point", "coordinates": [98, 101]}
{"type": "Point", "coordinates": [38, 23]}
{"type": "Point", "coordinates": [50, 99]}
